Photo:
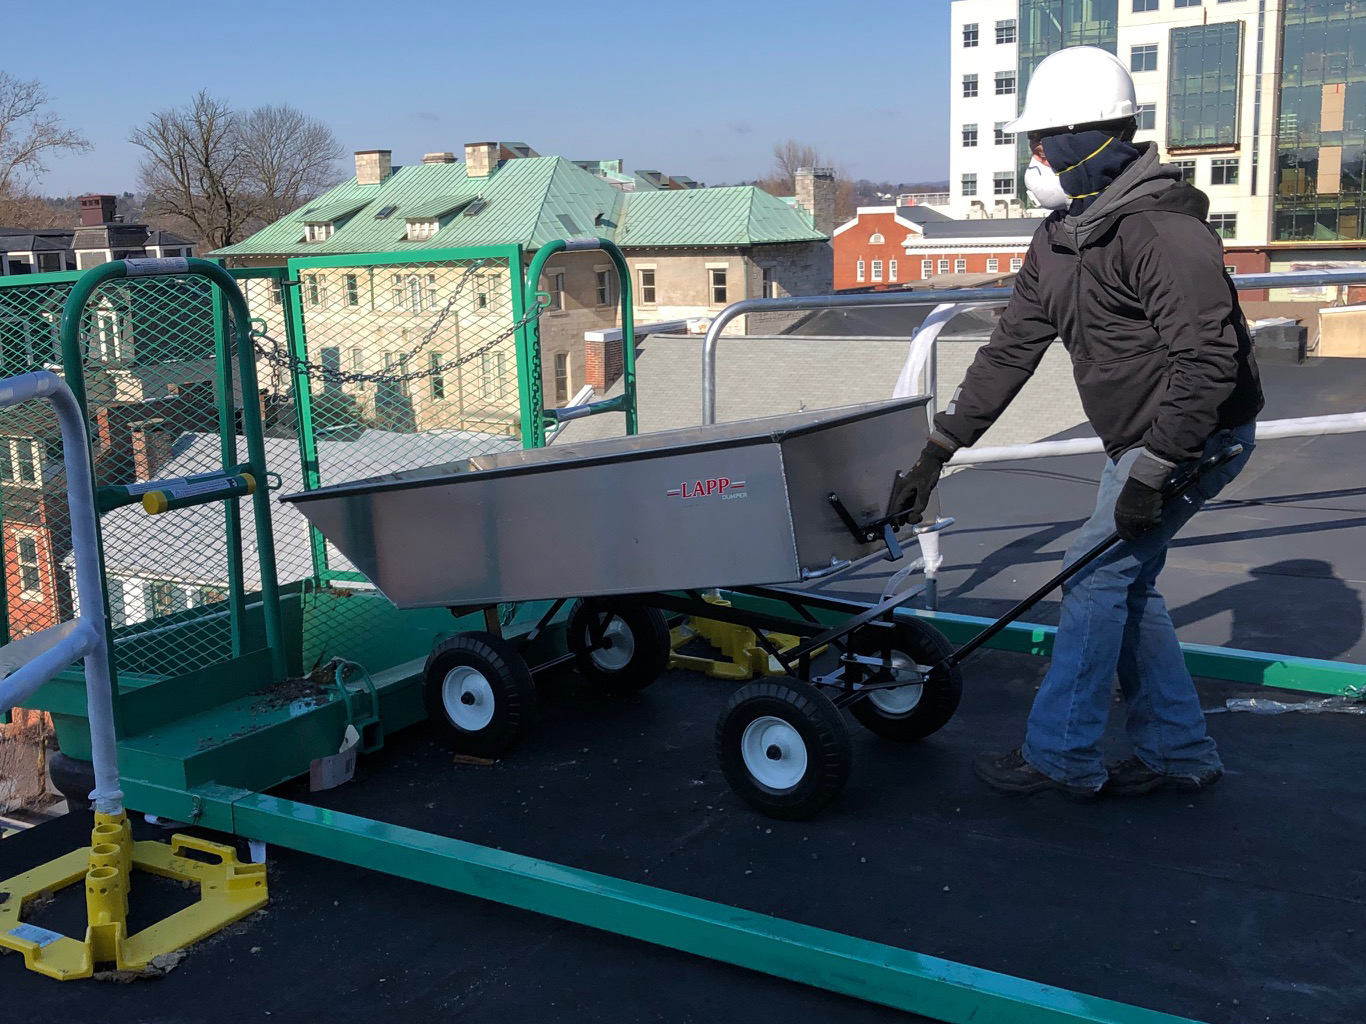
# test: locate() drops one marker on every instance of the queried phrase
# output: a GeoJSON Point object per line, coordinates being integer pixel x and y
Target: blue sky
{"type": "Point", "coordinates": [702, 88]}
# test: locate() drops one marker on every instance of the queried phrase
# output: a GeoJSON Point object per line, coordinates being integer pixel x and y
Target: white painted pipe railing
{"type": "Point", "coordinates": [40, 657]}
{"type": "Point", "coordinates": [1306, 426]}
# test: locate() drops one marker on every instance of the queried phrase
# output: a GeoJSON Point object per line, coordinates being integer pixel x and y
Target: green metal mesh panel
{"type": "Point", "coordinates": [36, 530]}
{"type": "Point", "coordinates": [156, 401]}
{"type": "Point", "coordinates": [401, 365]}
{"type": "Point", "coordinates": [155, 395]}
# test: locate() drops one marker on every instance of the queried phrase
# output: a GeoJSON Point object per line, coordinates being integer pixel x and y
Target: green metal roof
{"type": "Point", "coordinates": [527, 202]}
{"type": "Point", "coordinates": [737, 215]}
{"type": "Point", "coordinates": [319, 212]}
{"type": "Point", "coordinates": [438, 207]}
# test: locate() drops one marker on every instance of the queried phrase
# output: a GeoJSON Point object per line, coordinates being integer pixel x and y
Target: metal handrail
{"type": "Point", "coordinates": [48, 653]}
{"type": "Point", "coordinates": [806, 303]}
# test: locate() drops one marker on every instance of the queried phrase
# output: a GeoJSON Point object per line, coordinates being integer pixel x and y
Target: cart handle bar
{"type": "Point", "coordinates": [1175, 489]}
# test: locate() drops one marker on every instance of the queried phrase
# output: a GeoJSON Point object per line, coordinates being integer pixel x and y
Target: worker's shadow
{"type": "Point", "coordinates": [1321, 618]}
{"type": "Point", "coordinates": [1020, 551]}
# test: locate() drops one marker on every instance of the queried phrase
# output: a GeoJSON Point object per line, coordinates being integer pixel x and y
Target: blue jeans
{"type": "Point", "coordinates": [1114, 622]}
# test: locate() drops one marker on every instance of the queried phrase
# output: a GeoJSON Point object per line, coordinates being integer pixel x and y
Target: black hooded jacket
{"type": "Point", "coordinates": [1136, 289]}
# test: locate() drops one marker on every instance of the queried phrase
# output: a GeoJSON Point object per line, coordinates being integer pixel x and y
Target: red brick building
{"type": "Point", "coordinates": [869, 249]}
{"type": "Point", "coordinates": [946, 252]}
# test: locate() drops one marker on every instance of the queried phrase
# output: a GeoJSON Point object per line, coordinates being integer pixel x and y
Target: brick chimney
{"type": "Point", "coordinates": [438, 158]}
{"type": "Point", "coordinates": [373, 166]}
{"type": "Point", "coordinates": [603, 364]}
{"type": "Point", "coordinates": [481, 158]}
{"type": "Point", "coordinates": [96, 210]}
{"type": "Point", "coordinates": [152, 441]}
{"type": "Point", "coordinates": [816, 195]}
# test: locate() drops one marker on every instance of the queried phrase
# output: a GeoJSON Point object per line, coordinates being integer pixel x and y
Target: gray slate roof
{"type": "Point", "coordinates": [993, 227]}
{"type": "Point", "coordinates": [754, 378]}
{"type": "Point", "coordinates": [136, 544]}
{"type": "Point", "coordinates": [922, 215]}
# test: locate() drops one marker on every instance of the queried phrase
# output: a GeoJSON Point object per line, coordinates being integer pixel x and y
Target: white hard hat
{"type": "Point", "coordinates": [1078, 85]}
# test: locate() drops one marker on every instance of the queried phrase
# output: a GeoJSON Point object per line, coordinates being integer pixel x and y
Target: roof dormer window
{"type": "Point", "coordinates": [877, 239]}
{"type": "Point", "coordinates": [420, 230]}
{"type": "Point", "coordinates": [318, 231]}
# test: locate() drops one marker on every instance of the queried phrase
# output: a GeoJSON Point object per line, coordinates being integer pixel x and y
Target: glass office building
{"type": "Point", "coordinates": [1203, 75]}
{"type": "Point", "coordinates": [1321, 139]}
{"type": "Point", "coordinates": [1046, 26]}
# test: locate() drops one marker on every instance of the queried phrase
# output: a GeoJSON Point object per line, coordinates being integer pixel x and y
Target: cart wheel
{"type": "Point", "coordinates": [913, 711]}
{"type": "Point", "coordinates": [783, 748]}
{"type": "Point", "coordinates": [635, 649]}
{"type": "Point", "coordinates": [478, 690]}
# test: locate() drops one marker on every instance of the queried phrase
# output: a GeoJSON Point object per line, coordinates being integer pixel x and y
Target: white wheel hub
{"type": "Point", "coordinates": [774, 753]}
{"type": "Point", "coordinates": [899, 700]}
{"type": "Point", "coordinates": [468, 698]}
{"type": "Point", "coordinates": [619, 646]}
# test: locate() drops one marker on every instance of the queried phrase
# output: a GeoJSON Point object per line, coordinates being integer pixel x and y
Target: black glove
{"type": "Point", "coordinates": [1138, 509]}
{"type": "Point", "coordinates": [911, 491]}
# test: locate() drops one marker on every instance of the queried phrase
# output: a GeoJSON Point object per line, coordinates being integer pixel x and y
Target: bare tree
{"type": "Point", "coordinates": [290, 158]}
{"type": "Point", "coordinates": [226, 173]}
{"type": "Point", "coordinates": [791, 156]}
{"type": "Point", "coordinates": [29, 135]}
{"type": "Point", "coordinates": [194, 168]}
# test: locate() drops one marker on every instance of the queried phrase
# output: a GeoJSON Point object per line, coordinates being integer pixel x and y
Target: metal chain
{"type": "Point", "coordinates": [278, 357]}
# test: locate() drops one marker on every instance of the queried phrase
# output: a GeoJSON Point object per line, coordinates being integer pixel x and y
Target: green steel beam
{"type": "Point", "coordinates": [227, 439]}
{"type": "Point", "coordinates": [871, 971]}
{"type": "Point", "coordinates": [1258, 668]}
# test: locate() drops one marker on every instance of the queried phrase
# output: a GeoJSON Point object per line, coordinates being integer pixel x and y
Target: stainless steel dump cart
{"type": "Point", "coordinates": [633, 527]}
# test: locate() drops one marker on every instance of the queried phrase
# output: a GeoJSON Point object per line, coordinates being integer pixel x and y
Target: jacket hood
{"type": "Point", "coordinates": [1146, 184]}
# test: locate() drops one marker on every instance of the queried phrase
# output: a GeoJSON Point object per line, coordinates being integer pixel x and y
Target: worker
{"type": "Point", "coordinates": [1129, 274]}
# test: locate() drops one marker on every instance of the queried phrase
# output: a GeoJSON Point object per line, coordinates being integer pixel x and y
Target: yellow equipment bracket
{"type": "Point", "coordinates": [228, 891]}
{"type": "Point", "coordinates": [741, 656]}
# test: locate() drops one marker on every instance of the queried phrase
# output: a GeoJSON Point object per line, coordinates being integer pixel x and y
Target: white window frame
{"type": "Point", "coordinates": [604, 285]}
{"type": "Point", "coordinates": [492, 367]}
{"type": "Point", "coordinates": [993, 265]}
{"type": "Point", "coordinates": [421, 230]}
{"type": "Point", "coordinates": [29, 593]}
{"type": "Point", "coordinates": [926, 269]}
{"type": "Point", "coordinates": [960, 265]}
{"type": "Point", "coordinates": [34, 462]}
{"type": "Point", "coordinates": [1009, 25]}
{"type": "Point", "coordinates": [723, 287]}
{"type": "Point", "coordinates": [315, 290]}
{"type": "Point", "coordinates": [1016, 263]}
{"type": "Point", "coordinates": [943, 265]}
{"type": "Point", "coordinates": [318, 231]}
{"type": "Point", "coordinates": [891, 270]}
{"type": "Point", "coordinates": [653, 286]}
{"type": "Point", "coordinates": [877, 239]}
{"type": "Point", "coordinates": [768, 285]}
{"type": "Point", "coordinates": [877, 270]}
{"type": "Point", "coordinates": [351, 290]}
{"type": "Point", "coordinates": [996, 179]}
{"type": "Point", "coordinates": [555, 287]}
{"type": "Point", "coordinates": [437, 381]}
{"type": "Point", "coordinates": [562, 381]}
{"type": "Point", "coordinates": [859, 271]}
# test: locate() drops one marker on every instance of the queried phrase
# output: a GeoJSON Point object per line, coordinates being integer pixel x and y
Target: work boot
{"type": "Point", "coordinates": [1011, 773]}
{"type": "Point", "coordinates": [1133, 777]}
